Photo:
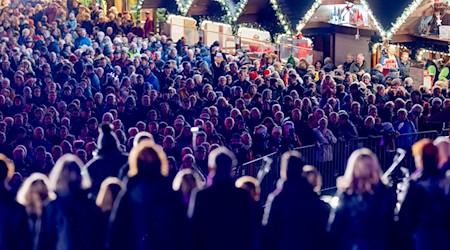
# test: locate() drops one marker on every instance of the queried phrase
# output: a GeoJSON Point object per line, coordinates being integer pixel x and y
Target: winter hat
{"type": "Point", "coordinates": [266, 73]}
{"type": "Point", "coordinates": [247, 96]}
{"type": "Point", "coordinates": [253, 75]}
{"type": "Point", "coordinates": [107, 139]}
{"type": "Point", "coordinates": [291, 60]}
{"type": "Point", "coordinates": [73, 58]}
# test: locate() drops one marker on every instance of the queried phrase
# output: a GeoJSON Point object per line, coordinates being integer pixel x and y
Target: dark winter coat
{"type": "Point", "coordinates": [294, 218]}
{"type": "Point", "coordinates": [13, 224]}
{"type": "Point", "coordinates": [424, 215]}
{"type": "Point", "coordinates": [72, 222]}
{"type": "Point", "coordinates": [221, 218]}
{"type": "Point", "coordinates": [104, 166]}
{"type": "Point", "coordinates": [149, 215]}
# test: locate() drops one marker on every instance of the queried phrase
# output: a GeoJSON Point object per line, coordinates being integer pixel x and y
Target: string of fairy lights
{"type": "Point", "coordinates": [308, 15]}
{"type": "Point", "coordinates": [227, 9]}
{"type": "Point", "coordinates": [402, 19]}
{"type": "Point", "coordinates": [238, 9]}
{"type": "Point", "coordinates": [374, 19]}
{"type": "Point", "coordinates": [421, 53]}
{"type": "Point", "coordinates": [281, 17]}
{"type": "Point", "coordinates": [184, 6]}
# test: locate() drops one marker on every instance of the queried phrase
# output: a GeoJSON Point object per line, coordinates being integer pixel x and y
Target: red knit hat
{"type": "Point", "coordinates": [266, 73]}
{"type": "Point", "coordinates": [253, 75]}
{"type": "Point", "coordinates": [73, 58]}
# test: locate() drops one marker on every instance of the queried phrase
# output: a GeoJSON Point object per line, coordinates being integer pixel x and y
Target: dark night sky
{"type": "Point", "coordinates": [387, 11]}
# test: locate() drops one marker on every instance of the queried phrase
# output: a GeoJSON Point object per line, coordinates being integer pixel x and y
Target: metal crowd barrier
{"type": "Point", "coordinates": [383, 147]}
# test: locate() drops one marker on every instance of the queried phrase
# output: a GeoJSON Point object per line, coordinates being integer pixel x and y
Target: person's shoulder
{"type": "Point", "coordinates": [7, 202]}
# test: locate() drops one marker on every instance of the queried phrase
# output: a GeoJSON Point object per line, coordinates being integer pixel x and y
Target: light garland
{"type": "Point", "coordinates": [239, 8]}
{"type": "Point", "coordinates": [374, 20]}
{"type": "Point", "coordinates": [139, 6]}
{"type": "Point", "coordinates": [402, 19]}
{"type": "Point", "coordinates": [248, 26]}
{"type": "Point", "coordinates": [281, 17]}
{"type": "Point", "coordinates": [308, 15]}
{"type": "Point", "coordinates": [376, 45]}
{"type": "Point", "coordinates": [422, 51]}
{"type": "Point", "coordinates": [229, 16]}
{"type": "Point", "coordinates": [183, 6]}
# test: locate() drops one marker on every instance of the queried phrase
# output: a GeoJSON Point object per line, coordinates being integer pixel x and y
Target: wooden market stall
{"type": "Point", "coordinates": [221, 32]}
{"type": "Point", "coordinates": [424, 28]}
{"type": "Point", "coordinates": [340, 27]}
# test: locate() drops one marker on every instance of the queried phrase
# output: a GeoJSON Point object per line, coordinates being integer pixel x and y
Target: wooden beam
{"type": "Point", "coordinates": [317, 28]}
{"type": "Point", "coordinates": [152, 4]}
{"type": "Point", "coordinates": [332, 2]}
{"type": "Point", "coordinates": [404, 38]}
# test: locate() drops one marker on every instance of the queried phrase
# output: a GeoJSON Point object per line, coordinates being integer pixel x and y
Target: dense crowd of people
{"type": "Point", "coordinates": [96, 106]}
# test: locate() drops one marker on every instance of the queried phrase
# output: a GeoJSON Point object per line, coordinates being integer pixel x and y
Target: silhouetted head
{"type": "Point", "coordinates": [221, 162]}
{"type": "Point", "coordinates": [291, 165]}
{"type": "Point", "coordinates": [109, 190]}
{"type": "Point", "coordinates": [143, 135]}
{"type": "Point", "coordinates": [426, 156]}
{"type": "Point", "coordinates": [107, 139]}
{"type": "Point", "coordinates": [66, 177]}
{"type": "Point", "coordinates": [362, 174]}
{"type": "Point", "coordinates": [149, 159]}
{"type": "Point", "coordinates": [251, 184]}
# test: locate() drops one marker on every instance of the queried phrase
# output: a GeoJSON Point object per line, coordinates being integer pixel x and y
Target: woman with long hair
{"type": "Point", "coordinates": [185, 182]}
{"type": "Point", "coordinates": [109, 190]}
{"type": "Point", "coordinates": [363, 210]}
{"type": "Point", "coordinates": [34, 194]}
{"type": "Point", "coordinates": [149, 215]}
{"type": "Point", "coordinates": [72, 220]}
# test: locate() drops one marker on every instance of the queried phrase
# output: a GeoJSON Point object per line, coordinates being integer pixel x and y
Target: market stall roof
{"type": "Point", "coordinates": [407, 29]}
{"type": "Point", "coordinates": [251, 10]}
{"type": "Point", "coordinates": [320, 13]}
{"type": "Point", "coordinates": [265, 13]}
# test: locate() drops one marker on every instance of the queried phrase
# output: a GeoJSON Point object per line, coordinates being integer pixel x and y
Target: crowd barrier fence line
{"type": "Point", "coordinates": [383, 147]}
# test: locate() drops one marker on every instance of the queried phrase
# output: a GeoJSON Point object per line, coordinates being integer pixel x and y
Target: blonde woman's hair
{"type": "Point", "coordinates": [362, 174]}
{"type": "Point", "coordinates": [246, 180]}
{"type": "Point", "coordinates": [23, 195]}
{"type": "Point", "coordinates": [179, 178]}
{"type": "Point", "coordinates": [66, 163]}
{"type": "Point", "coordinates": [148, 157]}
{"type": "Point", "coordinates": [10, 173]}
{"type": "Point", "coordinates": [26, 185]}
{"type": "Point", "coordinates": [105, 188]}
